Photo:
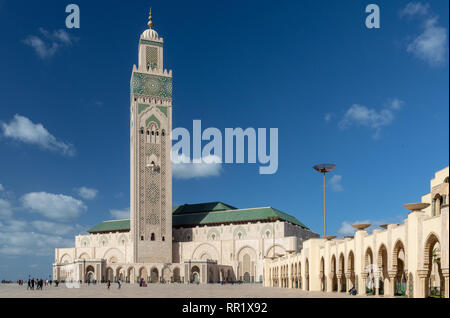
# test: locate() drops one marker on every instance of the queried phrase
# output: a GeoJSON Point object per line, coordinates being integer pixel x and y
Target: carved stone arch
{"type": "Point", "coordinates": [84, 255]}
{"type": "Point", "coordinates": [239, 233]}
{"type": "Point", "coordinates": [341, 268]}
{"type": "Point", "coordinates": [382, 251]}
{"type": "Point", "coordinates": [113, 255]}
{"type": "Point", "coordinates": [431, 240]}
{"type": "Point", "coordinates": [85, 242]}
{"type": "Point", "coordinates": [266, 228]}
{"type": "Point", "coordinates": [247, 249]}
{"type": "Point", "coordinates": [149, 115]}
{"type": "Point", "coordinates": [398, 246]}
{"type": "Point", "coordinates": [351, 261]}
{"type": "Point", "coordinates": [205, 248]}
{"type": "Point", "coordinates": [213, 235]}
{"type": "Point", "coordinates": [333, 264]}
{"type": "Point", "coordinates": [103, 240]}
{"type": "Point", "coordinates": [368, 257]}
{"type": "Point", "coordinates": [277, 247]}
{"type": "Point", "coordinates": [122, 239]}
{"type": "Point", "coordinates": [66, 259]}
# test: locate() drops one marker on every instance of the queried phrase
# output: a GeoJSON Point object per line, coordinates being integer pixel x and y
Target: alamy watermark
{"type": "Point", "coordinates": [219, 149]}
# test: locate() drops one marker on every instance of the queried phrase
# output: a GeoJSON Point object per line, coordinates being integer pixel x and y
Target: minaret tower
{"type": "Point", "coordinates": [150, 147]}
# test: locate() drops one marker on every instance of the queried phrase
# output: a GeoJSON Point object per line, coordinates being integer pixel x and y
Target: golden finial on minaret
{"type": "Point", "coordinates": [150, 21]}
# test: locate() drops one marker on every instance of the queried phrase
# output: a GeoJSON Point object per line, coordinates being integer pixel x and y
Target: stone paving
{"type": "Point", "coordinates": [164, 291]}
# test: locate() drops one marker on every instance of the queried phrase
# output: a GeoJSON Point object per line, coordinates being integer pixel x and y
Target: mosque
{"type": "Point", "coordinates": [204, 243]}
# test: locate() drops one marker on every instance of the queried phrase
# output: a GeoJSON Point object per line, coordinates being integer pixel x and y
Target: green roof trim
{"type": "Point", "coordinates": [202, 207]}
{"type": "Point", "coordinates": [230, 216]}
{"type": "Point", "coordinates": [207, 213]}
{"type": "Point", "coordinates": [111, 226]}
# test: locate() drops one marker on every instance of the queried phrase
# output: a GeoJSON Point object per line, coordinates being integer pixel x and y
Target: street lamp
{"type": "Point", "coordinates": [324, 168]}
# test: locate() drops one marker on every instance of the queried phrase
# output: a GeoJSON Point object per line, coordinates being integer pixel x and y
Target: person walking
{"type": "Point", "coordinates": [108, 284]}
{"type": "Point", "coordinates": [118, 283]}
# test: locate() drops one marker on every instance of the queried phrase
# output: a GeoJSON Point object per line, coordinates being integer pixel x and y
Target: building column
{"type": "Point", "coordinates": [364, 287]}
{"type": "Point", "coordinates": [423, 274]}
{"type": "Point", "coordinates": [347, 281]}
{"type": "Point", "coordinates": [330, 282]}
{"type": "Point", "coordinates": [392, 275]}
{"type": "Point", "coordinates": [445, 273]}
{"type": "Point", "coordinates": [339, 276]}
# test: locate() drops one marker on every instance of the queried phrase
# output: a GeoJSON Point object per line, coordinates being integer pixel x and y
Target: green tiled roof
{"type": "Point", "coordinates": [201, 207]}
{"type": "Point", "coordinates": [207, 213]}
{"type": "Point", "coordinates": [111, 226]}
{"type": "Point", "coordinates": [228, 216]}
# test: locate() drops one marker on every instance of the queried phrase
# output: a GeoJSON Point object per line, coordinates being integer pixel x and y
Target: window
{"type": "Point", "coordinates": [163, 238]}
{"type": "Point", "coordinates": [152, 237]}
{"type": "Point", "coordinates": [142, 131]}
{"type": "Point", "coordinates": [142, 238]}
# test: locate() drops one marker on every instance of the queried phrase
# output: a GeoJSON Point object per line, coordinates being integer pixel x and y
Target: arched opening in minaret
{"type": "Point", "coordinates": [152, 237]}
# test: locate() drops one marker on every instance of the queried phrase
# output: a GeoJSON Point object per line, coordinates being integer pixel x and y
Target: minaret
{"type": "Point", "coordinates": [150, 147]}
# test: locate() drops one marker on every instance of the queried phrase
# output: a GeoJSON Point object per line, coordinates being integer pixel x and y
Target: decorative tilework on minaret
{"type": "Point", "coordinates": [150, 146]}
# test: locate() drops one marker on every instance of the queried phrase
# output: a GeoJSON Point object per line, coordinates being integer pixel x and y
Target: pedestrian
{"type": "Point", "coordinates": [118, 283]}
{"type": "Point", "coordinates": [29, 284]}
{"type": "Point", "coordinates": [108, 284]}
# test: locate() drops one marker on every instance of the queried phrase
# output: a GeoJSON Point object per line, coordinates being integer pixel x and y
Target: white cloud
{"type": "Point", "coordinates": [183, 168]}
{"type": "Point", "coordinates": [415, 9]}
{"type": "Point", "coordinates": [54, 206]}
{"type": "Point", "coordinates": [49, 43]}
{"type": "Point", "coordinates": [31, 243]}
{"type": "Point", "coordinates": [53, 228]}
{"type": "Point", "coordinates": [87, 193]}
{"type": "Point", "coordinates": [335, 183]}
{"type": "Point", "coordinates": [5, 209]}
{"type": "Point", "coordinates": [431, 44]}
{"type": "Point", "coordinates": [360, 115]}
{"type": "Point", "coordinates": [328, 117]}
{"type": "Point", "coordinates": [22, 129]}
{"type": "Point", "coordinates": [120, 214]}
{"type": "Point", "coordinates": [1, 187]}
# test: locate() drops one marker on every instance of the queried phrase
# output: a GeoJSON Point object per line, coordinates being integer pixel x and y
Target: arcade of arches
{"type": "Point", "coordinates": [409, 259]}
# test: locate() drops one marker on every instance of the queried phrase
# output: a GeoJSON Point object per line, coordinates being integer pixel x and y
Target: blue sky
{"type": "Point", "coordinates": [372, 101]}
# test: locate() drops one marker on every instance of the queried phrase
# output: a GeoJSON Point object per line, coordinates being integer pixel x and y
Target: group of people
{"type": "Point", "coordinates": [39, 283]}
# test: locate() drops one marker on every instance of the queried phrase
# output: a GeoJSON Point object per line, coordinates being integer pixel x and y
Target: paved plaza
{"type": "Point", "coordinates": [164, 291]}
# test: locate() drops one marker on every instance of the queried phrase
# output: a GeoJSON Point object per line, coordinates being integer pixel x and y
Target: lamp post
{"type": "Point", "coordinates": [324, 168]}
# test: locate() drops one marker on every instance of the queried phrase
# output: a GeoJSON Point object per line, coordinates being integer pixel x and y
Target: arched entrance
{"type": "Point", "coordinates": [176, 275]}
{"type": "Point", "coordinates": [351, 270]}
{"type": "Point", "coordinates": [369, 279]}
{"type": "Point", "coordinates": [195, 275]}
{"type": "Point", "coordinates": [90, 274]}
{"type": "Point", "coordinates": [154, 278]}
{"type": "Point", "coordinates": [143, 274]}
{"type": "Point", "coordinates": [322, 275]}
{"type": "Point", "coordinates": [341, 274]}
{"type": "Point", "coordinates": [399, 265]}
{"type": "Point", "coordinates": [120, 273]}
{"type": "Point", "coordinates": [131, 275]}
{"type": "Point", "coordinates": [434, 282]}
{"type": "Point", "coordinates": [306, 274]}
{"type": "Point", "coordinates": [109, 274]}
{"type": "Point", "coordinates": [382, 269]}
{"type": "Point", "coordinates": [334, 282]}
